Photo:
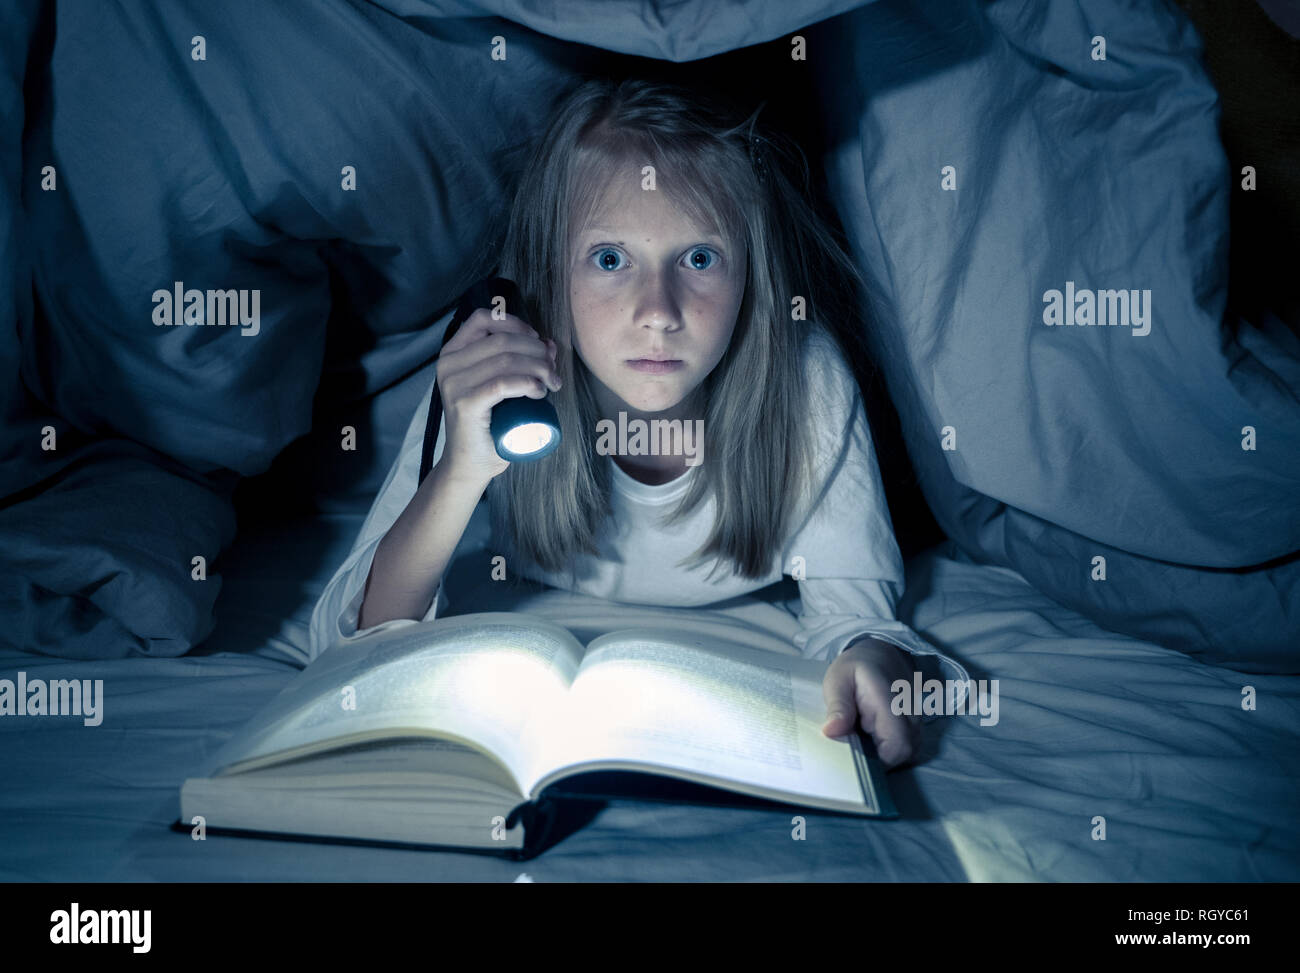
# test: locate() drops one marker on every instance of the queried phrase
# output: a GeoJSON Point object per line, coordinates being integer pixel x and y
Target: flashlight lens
{"type": "Point", "coordinates": [527, 438]}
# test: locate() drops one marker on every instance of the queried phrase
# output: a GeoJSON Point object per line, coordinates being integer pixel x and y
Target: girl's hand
{"type": "Point", "coordinates": [485, 362]}
{"type": "Point", "coordinates": [856, 687]}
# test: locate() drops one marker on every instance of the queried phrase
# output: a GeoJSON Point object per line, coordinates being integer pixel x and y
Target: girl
{"type": "Point", "coordinates": [668, 256]}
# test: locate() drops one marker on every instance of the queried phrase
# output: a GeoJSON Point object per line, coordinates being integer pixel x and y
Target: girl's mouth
{"type": "Point", "coordinates": [654, 367]}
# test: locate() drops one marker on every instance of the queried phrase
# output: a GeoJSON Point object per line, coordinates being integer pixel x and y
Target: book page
{"type": "Point", "coordinates": [479, 678]}
{"type": "Point", "coordinates": [712, 707]}
{"type": "Point", "coordinates": [388, 768]}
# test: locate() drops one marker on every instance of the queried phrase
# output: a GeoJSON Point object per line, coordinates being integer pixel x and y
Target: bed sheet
{"type": "Point", "coordinates": [1192, 786]}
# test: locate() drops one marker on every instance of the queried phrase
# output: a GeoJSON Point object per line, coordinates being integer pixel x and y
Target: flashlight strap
{"type": "Point", "coordinates": [434, 422]}
{"type": "Point", "coordinates": [431, 428]}
{"type": "Point", "coordinates": [479, 295]}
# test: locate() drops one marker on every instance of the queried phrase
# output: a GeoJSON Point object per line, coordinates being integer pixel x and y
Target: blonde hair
{"type": "Point", "coordinates": [759, 443]}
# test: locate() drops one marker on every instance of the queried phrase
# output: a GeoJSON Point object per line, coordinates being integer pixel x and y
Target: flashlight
{"type": "Point", "coordinates": [522, 428]}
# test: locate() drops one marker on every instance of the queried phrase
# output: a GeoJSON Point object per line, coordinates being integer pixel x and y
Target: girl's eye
{"type": "Point", "coordinates": [609, 259]}
{"type": "Point", "coordinates": [702, 250]}
{"type": "Point", "coordinates": [602, 258]}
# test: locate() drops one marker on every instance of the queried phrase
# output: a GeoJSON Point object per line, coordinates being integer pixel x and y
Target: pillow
{"type": "Point", "coordinates": [100, 564]}
{"type": "Point", "coordinates": [1002, 184]}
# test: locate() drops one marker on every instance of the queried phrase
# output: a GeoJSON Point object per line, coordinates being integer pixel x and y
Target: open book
{"type": "Point", "coordinates": [454, 731]}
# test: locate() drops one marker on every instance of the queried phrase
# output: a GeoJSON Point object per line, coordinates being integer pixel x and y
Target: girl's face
{"type": "Point", "coordinates": [647, 283]}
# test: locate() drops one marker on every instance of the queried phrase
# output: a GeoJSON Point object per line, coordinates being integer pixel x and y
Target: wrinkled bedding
{"type": "Point", "coordinates": [988, 168]}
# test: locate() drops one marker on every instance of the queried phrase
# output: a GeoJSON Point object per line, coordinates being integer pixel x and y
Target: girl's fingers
{"type": "Point", "coordinates": [510, 367]}
{"type": "Point", "coordinates": [850, 700]}
{"type": "Point", "coordinates": [893, 738]}
{"type": "Point", "coordinates": [841, 708]}
{"type": "Point", "coordinates": [497, 354]}
{"type": "Point", "coordinates": [481, 323]}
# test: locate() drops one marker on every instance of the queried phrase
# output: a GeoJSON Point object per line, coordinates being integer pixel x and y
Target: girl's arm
{"type": "Point", "coordinates": [854, 572]}
{"type": "Point", "coordinates": [407, 569]}
{"type": "Point", "coordinates": [413, 529]}
{"type": "Point", "coordinates": [336, 616]}
{"type": "Point", "coordinates": [838, 613]}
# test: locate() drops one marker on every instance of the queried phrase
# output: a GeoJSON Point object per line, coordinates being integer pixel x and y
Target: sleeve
{"type": "Point", "coordinates": [337, 611]}
{"type": "Point", "coordinates": [851, 573]}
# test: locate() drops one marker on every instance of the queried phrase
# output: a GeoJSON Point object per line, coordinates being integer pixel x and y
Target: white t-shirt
{"type": "Point", "coordinates": [852, 570]}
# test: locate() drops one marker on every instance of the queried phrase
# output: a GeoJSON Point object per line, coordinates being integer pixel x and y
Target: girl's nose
{"type": "Point", "coordinates": [658, 308]}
